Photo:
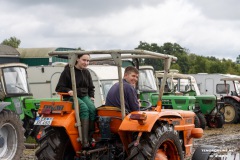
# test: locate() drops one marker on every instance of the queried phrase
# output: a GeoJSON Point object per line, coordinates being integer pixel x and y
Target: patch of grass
{"type": "Point", "coordinates": [31, 140]}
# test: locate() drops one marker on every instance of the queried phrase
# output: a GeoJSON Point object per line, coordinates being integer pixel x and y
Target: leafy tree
{"type": "Point", "coordinates": [79, 48]}
{"type": "Point", "coordinates": [183, 62]}
{"type": "Point", "coordinates": [156, 63]}
{"type": "Point", "coordinates": [216, 67]}
{"type": "Point", "coordinates": [167, 48]}
{"type": "Point", "coordinates": [12, 41]}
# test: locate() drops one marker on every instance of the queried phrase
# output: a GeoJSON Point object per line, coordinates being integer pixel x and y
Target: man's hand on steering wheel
{"type": "Point", "coordinates": [147, 107]}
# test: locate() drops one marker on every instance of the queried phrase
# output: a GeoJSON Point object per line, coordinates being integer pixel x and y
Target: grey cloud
{"type": "Point", "coordinates": [82, 8]}
{"type": "Point", "coordinates": [219, 9]}
{"type": "Point", "coordinates": [203, 27]}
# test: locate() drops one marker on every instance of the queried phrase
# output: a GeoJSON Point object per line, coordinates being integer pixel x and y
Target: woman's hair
{"type": "Point", "coordinates": [80, 55]}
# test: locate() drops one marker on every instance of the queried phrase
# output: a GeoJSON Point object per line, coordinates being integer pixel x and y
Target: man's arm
{"type": "Point", "coordinates": [132, 99]}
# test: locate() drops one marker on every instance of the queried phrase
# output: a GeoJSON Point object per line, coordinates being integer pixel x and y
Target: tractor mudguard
{"type": "Point", "coordinates": [236, 98]}
{"type": "Point", "coordinates": [3, 105]}
{"type": "Point", "coordinates": [129, 124]}
{"type": "Point", "coordinates": [203, 152]}
{"type": "Point", "coordinates": [67, 121]}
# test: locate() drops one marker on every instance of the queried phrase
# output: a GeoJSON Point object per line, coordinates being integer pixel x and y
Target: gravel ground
{"type": "Point", "coordinates": [226, 138]}
{"type": "Point", "coordinates": [29, 154]}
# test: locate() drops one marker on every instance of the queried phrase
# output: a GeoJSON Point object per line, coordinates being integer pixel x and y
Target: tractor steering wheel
{"type": "Point", "coordinates": [145, 107]}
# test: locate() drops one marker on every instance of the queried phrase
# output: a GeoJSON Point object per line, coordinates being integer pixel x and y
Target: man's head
{"type": "Point", "coordinates": [131, 75]}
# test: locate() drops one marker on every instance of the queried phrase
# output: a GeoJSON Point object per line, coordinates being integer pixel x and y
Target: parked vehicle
{"type": "Point", "coordinates": [208, 84]}
{"type": "Point", "coordinates": [226, 87]}
{"type": "Point", "coordinates": [11, 133]}
{"type": "Point", "coordinates": [14, 88]}
{"type": "Point", "coordinates": [206, 107]}
{"type": "Point", "coordinates": [232, 100]}
{"type": "Point", "coordinates": [155, 134]}
{"type": "Point", "coordinates": [171, 99]}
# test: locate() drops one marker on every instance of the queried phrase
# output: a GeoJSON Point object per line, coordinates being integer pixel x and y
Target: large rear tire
{"type": "Point", "coordinates": [232, 111]}
{"type": "Point", "coordinates": [11, 135]}
{"type": "Point", "coordinates": [55, 144]}
{"type": "Point", "coordinates": [162, 142]}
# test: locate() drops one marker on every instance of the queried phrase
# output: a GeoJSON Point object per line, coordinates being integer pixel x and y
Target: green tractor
{"type": "Point", "coordinates": [171, 100]}
{"type": "Point", "coordinates": [207, 108]}
{"type": "Point", "coordinates": [15, 90]}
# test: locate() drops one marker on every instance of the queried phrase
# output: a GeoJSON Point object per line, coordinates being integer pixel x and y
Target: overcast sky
{"type": "Point", "coordinates": [204, 27]}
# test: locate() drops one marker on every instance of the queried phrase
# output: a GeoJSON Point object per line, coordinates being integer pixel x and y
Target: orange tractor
{"type": "Point", "coordinates": [151, 133]}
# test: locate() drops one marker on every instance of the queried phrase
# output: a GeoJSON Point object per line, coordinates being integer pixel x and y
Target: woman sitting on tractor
{"type": "Point", "coordinates": [85, 94]}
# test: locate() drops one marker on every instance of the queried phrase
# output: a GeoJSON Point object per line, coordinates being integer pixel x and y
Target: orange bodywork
{"type": "Point", "coordinates": [185, 125]}
{"type": "Point", "coordinates": [138, 121]}
{"type": "Point", "coordinates": [61, 119]}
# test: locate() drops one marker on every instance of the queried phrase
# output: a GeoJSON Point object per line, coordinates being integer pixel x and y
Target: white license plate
{"type": "Point", "coordinates": [43, 121]}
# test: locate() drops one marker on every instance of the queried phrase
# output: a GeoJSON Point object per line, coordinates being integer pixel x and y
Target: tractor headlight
{"type": "Point", "coordinates": [191, 108]}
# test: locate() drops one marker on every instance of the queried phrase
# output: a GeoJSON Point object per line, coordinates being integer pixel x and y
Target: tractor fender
{"type": "Point", "coordinates": [236, 98]}
{"type": "Point", "coordinates": [3, 105]}
{"type": "Point", "coordinates": [68, 122]}
{"type": "Point", "coordinates": [152, 116]}
{"type": "Point", "coordinates": [204, 152]}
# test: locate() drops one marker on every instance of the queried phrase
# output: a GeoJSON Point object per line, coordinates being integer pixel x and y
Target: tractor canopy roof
{"type": "Point", "coordinates": [231, 78]}
{"type": "Point", "coordinates": [117, 56]}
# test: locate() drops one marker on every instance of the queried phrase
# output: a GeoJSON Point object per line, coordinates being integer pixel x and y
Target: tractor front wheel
{"type": "Point", "coordinates": [55, 144]}
{"type": "Point", "coordinates": [11, 135]}
{"type": "Point", "coordinates": [202, 120]}
{"type": "Point", "coordinates": [197, 122]}
{"type": "Point", "coordinates": [215, 121]}
{"type": "Point", "coordinates": [161, 143]}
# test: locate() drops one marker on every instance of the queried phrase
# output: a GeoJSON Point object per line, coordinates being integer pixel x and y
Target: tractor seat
{"type": "Point", "coordinates": [113, 113]}
{"type": "Point", "coordinates": [109, 108]}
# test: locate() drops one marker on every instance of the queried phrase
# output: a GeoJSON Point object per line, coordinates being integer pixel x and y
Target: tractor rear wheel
{"type": "Point", "coordinates": [216, 121]}
{"type": "Point", "coordinates": [232, 111]}
{"type": "Point", "coordinates": [161, 143]}
{"type": "Point", "coordinates": [202, 120]}
{"type": "Point", "coordinates": [11, 135]}
{"type": "Point", "coordinates": [55, 144]}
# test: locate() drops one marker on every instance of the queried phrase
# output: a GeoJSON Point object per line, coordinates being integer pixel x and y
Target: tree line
{"type": "Point", "coordinates": [187, 63]}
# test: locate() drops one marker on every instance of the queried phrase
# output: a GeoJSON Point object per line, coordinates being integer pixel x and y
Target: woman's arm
{"type": "Point", "coordinates": [64, 83]}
